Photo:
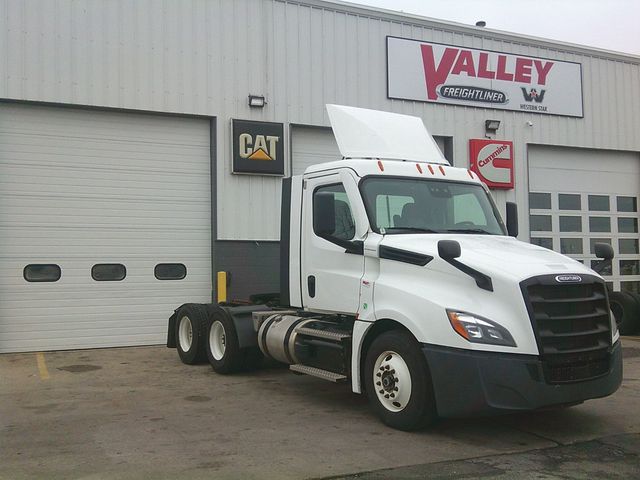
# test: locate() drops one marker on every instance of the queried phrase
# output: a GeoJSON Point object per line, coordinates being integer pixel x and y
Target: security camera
{"type": "Point", "coordinates": [530, 123]}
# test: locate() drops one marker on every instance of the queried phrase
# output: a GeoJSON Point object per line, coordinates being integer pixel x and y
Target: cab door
{"type": "Point", "coordinates": [333, 228]}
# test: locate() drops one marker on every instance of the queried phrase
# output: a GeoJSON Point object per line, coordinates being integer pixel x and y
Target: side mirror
{"type": "Point", "coordinates": [512, 219]}
{"type": "Point", "coordinates": [324, 214]}
{"type": "Point", "coordinates": [603, 251]}
{"type": "Point", "coordinates": [448, 249]}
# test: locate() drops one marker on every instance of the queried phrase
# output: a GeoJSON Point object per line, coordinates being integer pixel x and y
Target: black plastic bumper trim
{"type": "Point", "coordinates": [468, 382]}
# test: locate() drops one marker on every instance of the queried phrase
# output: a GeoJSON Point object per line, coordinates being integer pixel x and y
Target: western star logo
{"type": "Point", "coordinates": [533, 95]}
{"type": "Point", "coordinates": [262, 147]}
{"type": "Point", "coordinates": [457, 61]}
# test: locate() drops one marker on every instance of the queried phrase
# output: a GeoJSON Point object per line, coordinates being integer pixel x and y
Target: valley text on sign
{"type": "Point", "coordinates": [258, 147]}
{"type": "Point", "coordinates": [432, 72]}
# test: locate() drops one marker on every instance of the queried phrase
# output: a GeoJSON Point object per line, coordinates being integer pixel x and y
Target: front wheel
{"type": "Point", "coordinates": [398, 382]}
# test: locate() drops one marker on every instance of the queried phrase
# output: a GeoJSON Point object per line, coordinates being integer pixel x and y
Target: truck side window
{"type": "Point", "coordinates": [345, 225]}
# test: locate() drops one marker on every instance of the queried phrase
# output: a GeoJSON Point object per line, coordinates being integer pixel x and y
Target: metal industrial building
{"type": "Point", "coordinates": [117, 152]}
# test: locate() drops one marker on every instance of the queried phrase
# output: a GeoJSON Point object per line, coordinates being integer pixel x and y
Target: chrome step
{"type": "Point", "coordinates": [326, 334]}
{"type": "Point", "coordinates": [318, 372]}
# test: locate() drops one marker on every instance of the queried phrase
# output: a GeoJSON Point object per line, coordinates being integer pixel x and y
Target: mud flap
{"type": "Point", "coordinates": [171, 331]}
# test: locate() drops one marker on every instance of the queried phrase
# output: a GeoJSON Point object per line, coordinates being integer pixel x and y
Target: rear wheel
{"type": "Point", "coordinates": [398, 382]}
{"type": "Point", "coordinates": [191, 327]}
{"type": "Point", "coordinates": [223, 351]}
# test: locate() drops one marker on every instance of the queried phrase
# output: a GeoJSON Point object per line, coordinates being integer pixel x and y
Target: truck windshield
{"type": "Point", "coordinates": [408, 205]}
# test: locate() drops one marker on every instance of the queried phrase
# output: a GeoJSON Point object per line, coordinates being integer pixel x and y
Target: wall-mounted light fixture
{"type": "Point", "coordinates": [257, 101]}
{"type": "Point", "coordinates": [491, 126]}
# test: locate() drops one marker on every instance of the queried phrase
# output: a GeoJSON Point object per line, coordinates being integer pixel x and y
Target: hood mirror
{"type": "Point", "coordinates": [448, 249]}
{"type": "Point", "coordinates": [603, 251]}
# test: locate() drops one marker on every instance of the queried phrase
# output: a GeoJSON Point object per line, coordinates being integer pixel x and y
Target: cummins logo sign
{"type": "Point", "coordinates": [492, 161]}
{"type": "Point", "coordinates": [433, 72]}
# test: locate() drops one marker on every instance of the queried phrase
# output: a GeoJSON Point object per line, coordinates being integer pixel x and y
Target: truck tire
{"type": "Point", "coordinates": [223, 352]}
{"type": "Point", "coordinates": [398, 382]}
{"type": "Point", "coordinates": [192, 323]}
{"type": "Point", "coordinates": [626, 310]}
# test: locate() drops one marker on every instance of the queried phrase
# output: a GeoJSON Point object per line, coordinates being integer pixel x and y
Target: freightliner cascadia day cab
{"type": "Point", "coordinates": [399, 276]}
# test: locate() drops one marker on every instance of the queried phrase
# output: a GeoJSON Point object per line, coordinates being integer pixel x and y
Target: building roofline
{"type": "Point", "coordinates": [419, 20]}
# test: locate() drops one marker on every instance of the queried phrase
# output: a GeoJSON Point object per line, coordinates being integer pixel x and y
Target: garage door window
{"type": "Point", "coordinates": [170, 271]}
{"type": "Point", "coordinates": [543, 242]}
{"type": "Point", "coordinates": [607, 270]}
{"type": "Point", "coordinates": [629, 267]}
{"type": "Point", "coordinates": [540, 223]}
{"type": "Point", "coordinates": [42, 273]}
{"type": "Point", "coordinates": [569, 201]}
{"type": "Point", "coordinates": [628, 246]}
{"type": "Point", "coordinates": [108, 272]}
{"type": "Point", "coordinates": [599, 224]}
{"type": "Point", "coordinates": [570, 224]}
{"type": "Point", "coordinates": [627, 225]}
{"type": "Point", "coordinates": [571, 245]}
{"type": "Point", "coordinates": [599, 203]}
{"type": "Point", "coordinates": [627, 204]}
{"type": "Point", "coordinates": [541, 201]}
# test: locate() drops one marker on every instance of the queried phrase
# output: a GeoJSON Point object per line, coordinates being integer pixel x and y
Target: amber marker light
{"type": "Point", "coordinates": [457, 326]}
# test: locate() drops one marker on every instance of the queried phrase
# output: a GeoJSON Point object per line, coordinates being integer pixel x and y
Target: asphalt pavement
{"type": "Point", "coordinates": [126, 413]}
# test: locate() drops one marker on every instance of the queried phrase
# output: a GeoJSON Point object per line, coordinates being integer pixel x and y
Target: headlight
{"type": "Point", "coordinates": [479, 330]}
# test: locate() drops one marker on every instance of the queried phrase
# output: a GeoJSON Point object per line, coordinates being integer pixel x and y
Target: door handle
{"type": "Point", "coordinates": [311, 285]}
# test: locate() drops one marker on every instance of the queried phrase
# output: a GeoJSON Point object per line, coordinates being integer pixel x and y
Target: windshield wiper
{"type": "Point", "coordinates": [469, 230]}
{"type": "Point", "coordinates": [411, 229]}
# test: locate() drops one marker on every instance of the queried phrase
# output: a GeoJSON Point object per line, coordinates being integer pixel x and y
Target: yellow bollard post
{"type": "Point", "coordinates": [222, 286]}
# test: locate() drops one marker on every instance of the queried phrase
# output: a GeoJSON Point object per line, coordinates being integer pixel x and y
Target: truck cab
{"type": "Point", "coordinates": [399, 275]}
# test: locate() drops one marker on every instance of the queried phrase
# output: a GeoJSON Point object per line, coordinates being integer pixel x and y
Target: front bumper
{"type": "Point", "coordinates": [470, 382]}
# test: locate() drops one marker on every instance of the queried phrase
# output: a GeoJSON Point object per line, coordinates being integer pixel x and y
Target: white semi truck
{"type": "Point", "coordinates": [399, 276]}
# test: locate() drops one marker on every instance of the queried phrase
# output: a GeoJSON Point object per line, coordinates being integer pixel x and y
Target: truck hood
{"type": "Point", "coordinates": [492, 254]}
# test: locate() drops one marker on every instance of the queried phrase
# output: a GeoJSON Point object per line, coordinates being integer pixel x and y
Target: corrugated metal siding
{"type": "Point", "coordinates": [206, 56]}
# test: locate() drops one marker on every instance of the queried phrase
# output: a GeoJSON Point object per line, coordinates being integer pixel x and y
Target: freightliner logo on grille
{"type": "Point", "coordinates": [568, 278]}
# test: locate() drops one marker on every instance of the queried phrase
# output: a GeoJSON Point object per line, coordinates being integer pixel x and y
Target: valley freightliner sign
{"type": "Point", "coordinates": [433, 72]}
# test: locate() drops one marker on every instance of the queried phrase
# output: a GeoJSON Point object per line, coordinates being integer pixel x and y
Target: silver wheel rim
{"type": "Point", "coordinates": [392, 381]}
{"type": "Point", "coordinates": [217, 340]}
{"type": "Point", "coordinates": [185, 334]}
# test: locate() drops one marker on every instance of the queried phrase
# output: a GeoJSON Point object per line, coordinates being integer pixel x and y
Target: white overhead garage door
{"type": "Point", "coordinates": [101, 215]}
{"type": "Point", "coordinates": [580, 197]}
{"type": "Point", "coordinates": [311, 145]}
